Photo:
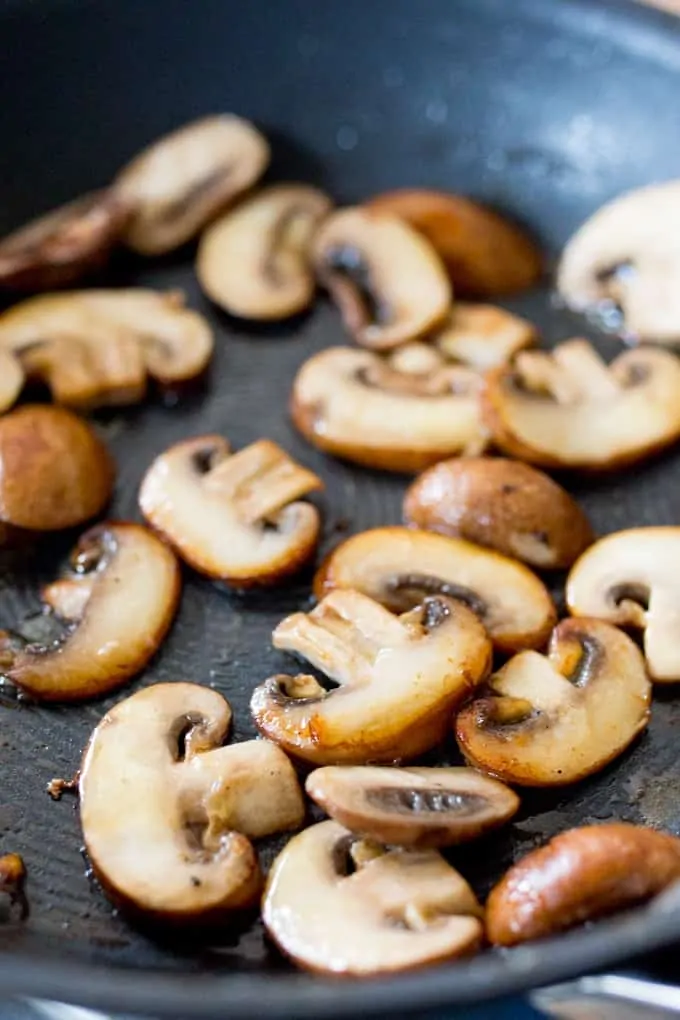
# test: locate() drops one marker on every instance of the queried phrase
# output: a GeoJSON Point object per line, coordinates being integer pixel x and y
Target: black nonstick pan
{"type": "Point", "coordinates": [545, 108]}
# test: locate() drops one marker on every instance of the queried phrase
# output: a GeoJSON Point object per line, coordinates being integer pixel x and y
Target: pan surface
{"type": "Point", "coordinates": [546, 109]}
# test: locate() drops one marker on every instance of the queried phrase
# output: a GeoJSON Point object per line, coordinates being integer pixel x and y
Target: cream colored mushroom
{"type": "Point", "coordinates": [167, 812]}
{"type": "Point", "coordinates": [399, 679]}
{"type": "Point", "coordinates": [482, 336]}
{"type": "Point", "coordinates": [182, 181]}
{"type": "Point", "coordinates": [338, 907]}
{"type": "Point", "coordinates": [233, 517]}
{"type": "Point", "coordinates": [12, 379]}
{"type": "Point", "coordinates": [255, 260]}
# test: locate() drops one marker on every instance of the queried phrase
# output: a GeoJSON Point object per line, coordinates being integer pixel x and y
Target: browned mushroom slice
{"type": "Point", "coordinates": [116, 604]}
{"type": "Point", "coordinates": [255, 261]}
{"type": "Point", "coordinates": [418, 807]}
{"type": "Point", "coordinates": [63, 246]}
{"type": "Point", "coordinates": [552, 720]}
{"type": "Point", "coordinates": [484, 253]}
{"type": "Point", "coordinates": [398, 566]}
{"type": "Point", "coordinates": [233, 517]}
{"type": "Point", "coordinates": [358, 406]}
{"type": "Point", "coordinates": [503, 504]}
{"type": "Point", "coordinates": [339, 906]}
{"type": "Point", "coordinates": [181, 182]}
{"type": "Point", "coordinates": [569, 409]}
{"type": "Point", "coordinates": [483, 336]}
{"type": "Point", "coordinates": [399, 679]}
{"type": "Point", "coordinates": [166, 811]}
{"type": "Point", "coordinates": [387, 281]}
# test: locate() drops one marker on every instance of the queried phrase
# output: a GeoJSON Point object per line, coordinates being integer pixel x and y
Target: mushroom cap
{"type": "Point", "coordinates": [502, 504]}
{"type": "Point", "coordinates": [354, 405]}
{"type": "Point", "coordinates": [397, 566]}
{"type": "Point", "coordinates": [233, 517]}
{"type": "Point", "coordinates": [623, 264]}
{"type": "Point", "coordinates": [483, 336]}
{"type": "Point", "coordinates": [552, 720]}
{"type": "Point", "coordinates": [400, 909]}
{"type": "Point", "coordinates": [417, 807]}
{"type": "Point", "coordinates": [399, 679]}
{"type": "Point", "coordinates": [387, 280]}
{"type": "Point", "coordinates": [182, 181]}
{"type": "Point", "coordinates": [255, 260]}
{"type": "Point", "coordinates": [632, 578]}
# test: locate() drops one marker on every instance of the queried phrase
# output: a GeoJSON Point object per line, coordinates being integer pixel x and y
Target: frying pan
{"type": "Point", "coordinates": [546, 109]}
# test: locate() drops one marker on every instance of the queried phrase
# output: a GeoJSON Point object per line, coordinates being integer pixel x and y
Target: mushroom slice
{"type": "Point", "coordinates": [580, 875]}
{"type": "Point", "coordinates": [417, 807]}
{"type": "Point", "coordinates": [182, 181]}
{"type": "Point", "coordinates": [96, 347]}
{"type": "Point", "coordinates": [623, 265]}
{"type": "Point", "coordinates": [12, 379]}
{"type": "Point", "coordinates": [399, 679]}
{"type": "Point", "coordinates": [116, 605]}
{"type": "Point", "coordinates": [167, 811]}
{"type": "Point", "coordinates": [484, 253]}
{"type": "Point", "coordinates": [503, 504]}
{"type": "Point", "coordinates": [255, 261]}
{"type": "Point", "coordinates": [358, 406]}
{"type": "Point", "coordinates": [64, 245]}
{"type": "Point", "coordinates": [233, 517]}
{"type": "Point", "coordinates": [386, 279]}
{"type": "Point", "coordinates": [483, 336]}
{"type": "Point", "coordinates": [567, 408]}
{"type": "Point", "coordinates": [632, 578]}
{"type": "Point", "coordinates": [552, 720]}
{"type": "Point", "coordinates": [398, 566]}
{"type": "Point", "coordinates": [336, 905]}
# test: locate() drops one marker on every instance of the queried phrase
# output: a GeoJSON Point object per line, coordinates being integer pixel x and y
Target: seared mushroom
{"type": "Point", "coordinates": [64, 245]}
{"type": "Point", "coordinates": [502, 504]}
{"type": "Point", "coordinates": [166, 811]}
{"type": "Point", "coordinates": [418, 807]}
{"type": "Point", "coordinates": [483, 336]}
{"type": "Point", "coordinates": [484, 253]}
{"type": "Point", "coordinates": [552, 720]}
{"type": "Point", "coordinates": [116, 605]}
{"type": "Point", "coordinates": [386, 279]}
{"type": "Point", "coordinates": [356, 405]}
{"type": "Point", "coordinates": [54, 471]}
{"type": "Point", "coordinates": [182, 181]}
{"type": "Point", "coordinates": [398, 566]}
{"type": "Point", "coordinates": [337, 906]}
{"type": "Point", "coordinates": [255, 261]}
{"type": "Point", "coordinates": [569, 409]}
{"type": "Point", "coordinates": [580, 875]}
{"type": "Point", "coordinates": [95, 348]}
{"type": "Point", "coordinates": [399, 679]}
{"type": "Point", "coordinates": [623, 265]}
{"type": "Point", "coordinates": [632, 578]}
{"type": "Point", "coordinates": [233, 517]}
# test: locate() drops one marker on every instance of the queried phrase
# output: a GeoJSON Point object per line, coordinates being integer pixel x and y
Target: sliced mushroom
{"type": "Point", "coordinates": [12, 379]}
{"type": "Point", "coordinates": [502, 504]}
{"type": "Point", "coordinates": [255, 261]}
{"type": "Point", "coordinates": [632, 578]}
{"type": "Point", "coordinates": [13, 901]}
{"type": "Point", "coordinates": [569, 409]}
{"type": "Point", "coordinates": [116, 604]}
{"type": "Point", "coordinates": [54, 471]}
{"type": "Point", "coordinates": [337, 906]}
{"type": "Point", "coordinates": [63, 246]}
{"type": "Point", "coordinates": [386, 279]}
{"type": "Point", "coordinates": [182, 181]}
{"type": "Point", "coordinates": [166, 811]}
{"type": "Point", "coordinates": [399, 679]}
{"type": "Point", "coordinates": [552, 720]}
{"type": "Point", "coordinates": [484, 253]}
{"type": "Point", "coordinates": [483, 336]}
{"type": "Point", "coordinates": [415, 807]}
{"type": "Point", "coordinates": [356, 405]}
{"type": "Point", "coordinates": [623, 265]}
{"type": "Point", "coordinates": [233, 517]}
{"type": "Point", "coordinates": [398, 566]}
{"type": "Point", "coordinates": [96, 347]}
{"type": "Point", "coordinates": [580, 875]}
